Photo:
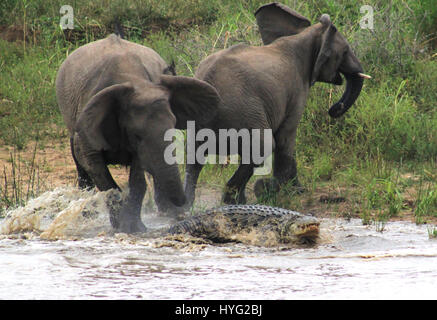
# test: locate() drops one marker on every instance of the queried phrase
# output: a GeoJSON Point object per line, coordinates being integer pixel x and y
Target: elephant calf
{"type": "Point", "coordinates": [266, 87]}
{"type": "Point", "coordinates": [118, 99]}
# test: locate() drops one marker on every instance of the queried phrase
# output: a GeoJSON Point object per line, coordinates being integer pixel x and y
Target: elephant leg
{"type": "Point", "coordinates": [285, 168]}
{"type": "Point", "coordinates": [94, 165]}
{"type": "Point", "coordinates": [284, 171]}
{"type": "Point", "coordinates": [100, 173]}
{"type": "Point", "coordinates": [235, 188]}
{"type": "Point", "coordinates": [84, 180]}
{"type": "Point", "coordinates": [192, 173]}
{"type": "Point", "coordinates": [284, 164]}
{"type": "Point", "coordinates": [164, 204]}
{"type": "Point", "coordinates": [129, 220]}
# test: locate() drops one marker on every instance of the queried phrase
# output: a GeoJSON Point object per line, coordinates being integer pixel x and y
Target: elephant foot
{"type": "Point", "coordinates": [166, 207]}
{"type": "Point", "coordinates": [297, 189]}
{"type": "Point", "coordinates": [236, 197]}
{"type": "Point", "coordinates": [171, 211]}
{"type": "Point", "coordinates": [297, 186]}
{"type": "Point", "coordinates": [269, 187]}
{"type": "Point", "coordinates": [190, 201]}
{"type": "Point", "coordinates": [131, 225]}
{"type": "Point", "coordinates": [85, 182]}
{"type": "Point", "coordinates": [177, 214]}
{"type": "Point", "coordinates": [266, 188]}
{"type": "Point", "coordinates": [125, 220]}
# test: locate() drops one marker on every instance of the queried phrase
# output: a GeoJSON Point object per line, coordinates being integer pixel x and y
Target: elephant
{"type": "Point", "coordinates": [118, 99]}
{"type": "Point", "coordinates": [266, 87]}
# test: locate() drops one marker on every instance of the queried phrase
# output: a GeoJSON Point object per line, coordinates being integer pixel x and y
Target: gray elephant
{"type": "Point", "coordinates": [267, 87]}
{"type": "Point", "coordinates": [118, 99]}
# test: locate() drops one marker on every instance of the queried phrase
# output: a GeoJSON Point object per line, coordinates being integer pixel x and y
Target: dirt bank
{"type": "Point", "coordinates": [42, 167]}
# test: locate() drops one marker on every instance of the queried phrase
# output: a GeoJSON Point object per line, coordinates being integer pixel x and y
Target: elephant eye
{"type": "Point", "coordinates": [158, 104]}
{"type": "Point", "coordinates": [346, 51]}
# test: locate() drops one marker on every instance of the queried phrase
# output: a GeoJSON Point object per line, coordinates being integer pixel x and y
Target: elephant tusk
{"type": "Point", "coordinates": [365, 76]}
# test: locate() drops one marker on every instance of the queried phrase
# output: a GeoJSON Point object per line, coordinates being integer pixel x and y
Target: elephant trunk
{"type": "Point", "coordinates": [165, 175]}
{"type": "Point", "coordinates": [354, 84]}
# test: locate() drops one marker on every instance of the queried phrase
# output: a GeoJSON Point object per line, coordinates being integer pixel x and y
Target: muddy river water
{"type": "Point", "coordinates": [49, 249]}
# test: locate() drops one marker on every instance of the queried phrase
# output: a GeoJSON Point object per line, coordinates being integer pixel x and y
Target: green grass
{"type": "Point", "coordinates": [22, 182]}
{"type": "Point", "coordinates": [432, 232]}
{"type": "Point", "coordinates": [426, 203]}
{"type": "Point", "coordinates": [368, 156]}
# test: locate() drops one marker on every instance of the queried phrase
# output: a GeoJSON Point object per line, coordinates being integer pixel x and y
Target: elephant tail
{"type": "Point", "coordinates": [118, 28]}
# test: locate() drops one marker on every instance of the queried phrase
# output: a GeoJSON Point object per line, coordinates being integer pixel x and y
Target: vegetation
{"type": "Point", "coordinates": [381, 157]}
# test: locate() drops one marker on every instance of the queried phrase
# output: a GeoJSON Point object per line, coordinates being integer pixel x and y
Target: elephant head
{"type": "Point", "coordinates": [331, 54]}
{"type": "Point", "coordinates": [130, 119]}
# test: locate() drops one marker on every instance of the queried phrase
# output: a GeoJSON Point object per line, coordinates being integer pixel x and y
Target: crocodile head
{"type": "Point", "coordinates": [304, 229]}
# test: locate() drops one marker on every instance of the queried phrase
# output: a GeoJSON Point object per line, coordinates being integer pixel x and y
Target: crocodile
{"type": "Point", "coordinates": [258, 224]}
{"type": "Point", "coordinates": [230, 223]}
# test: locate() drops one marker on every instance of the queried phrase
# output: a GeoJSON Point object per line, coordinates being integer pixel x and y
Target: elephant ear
{"type": "Point", "coordinates": [99, 119]}
{"type": "Point", "coordinates": [277, 20]}
{"type": "Point", "coordinates": [325, 67]}
{"type": "Point", "coordinates": [191, 99]}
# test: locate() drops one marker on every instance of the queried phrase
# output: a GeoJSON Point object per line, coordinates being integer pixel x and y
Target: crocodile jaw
{"type": "Point", "coordinates": [306, 228]}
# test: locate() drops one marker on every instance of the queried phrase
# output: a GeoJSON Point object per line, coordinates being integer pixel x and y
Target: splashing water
{"type": "Point", "coordinates": [61, 246]}
{"type": "Point", "coordinates": [64, 213]}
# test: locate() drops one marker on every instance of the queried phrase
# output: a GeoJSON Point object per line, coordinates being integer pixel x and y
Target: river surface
{"type": "Point", "coordinates": [51, 250]}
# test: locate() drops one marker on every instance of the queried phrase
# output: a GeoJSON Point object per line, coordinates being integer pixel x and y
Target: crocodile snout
{"type": "Point", "coordinates": [306, 227]}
